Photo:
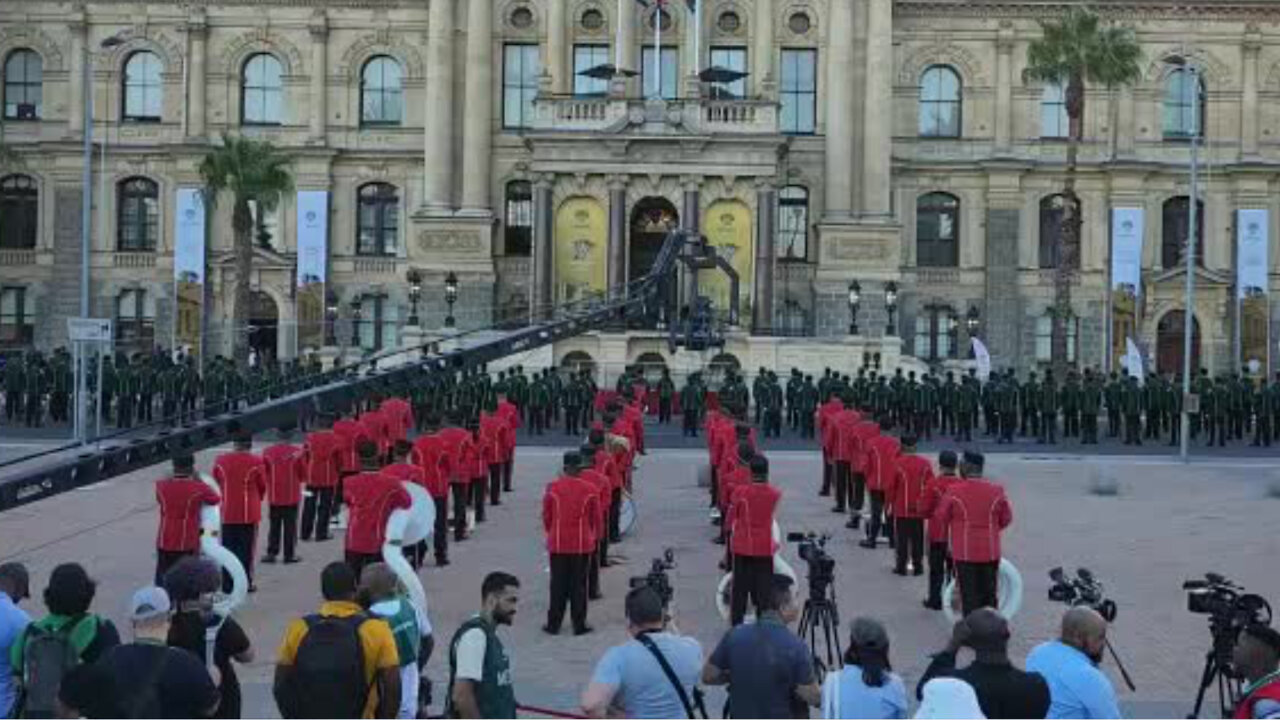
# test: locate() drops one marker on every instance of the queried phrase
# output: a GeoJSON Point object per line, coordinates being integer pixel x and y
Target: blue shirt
{"type": "Point", "coordinates": [766, 662]}
{"type": "Point", "coordinates": [845, 695]}
{"type": "Point", "coordinates": [643, 690]}
{"type": "Point", "coordinates": [1077, 688]}
{"type": "Point", "coordinates": [12, 622]}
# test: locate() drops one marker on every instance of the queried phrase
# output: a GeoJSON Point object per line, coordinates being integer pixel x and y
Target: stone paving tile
{"type": "Point", "coordinates": [1169, 522]}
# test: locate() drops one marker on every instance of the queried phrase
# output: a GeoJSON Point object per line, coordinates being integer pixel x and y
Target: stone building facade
{"type": "Point", "coordinates": [882, 141]}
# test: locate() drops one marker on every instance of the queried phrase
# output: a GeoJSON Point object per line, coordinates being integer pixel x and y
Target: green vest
{"type": "Point", "coordinates": [404, 628]}
{"type": "Point", "coordinates": [495, 697]}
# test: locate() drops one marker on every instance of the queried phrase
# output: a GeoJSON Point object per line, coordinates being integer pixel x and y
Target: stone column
{"type": "Point", "coordinates": [1125, 124]}
{"type": "Point", "coordinates": [556, 63]}
{"type": "Point", "coordinates": [478, 131]}
{"type": "Point", "coordinates": [617, 252]}
{"type": "Point", "coordinates": [766, 220]}
{"type": "Point", "coordinates": [764, 53]}
{"type": "Point", "coordinates": [197, 33]}
{"type": "Point", "coordinates": [877, 137]}
{"type": "Point", "coordinates": [75, 113]}
{"type": "Point", "coordinates": [319, 27]}
{"type": "Point", "coordinates": [839, 158]}
{"type": "Point", "coordinates": [1249, 97]}
{"type": "Point", "coordinates": [542, 295]}
{"type": "Point", "coordinates": [438, 130]}
{"type": "Point", "coordinates": [1004, 88]}
{"type": "Point", "coordinates": [691, 219]}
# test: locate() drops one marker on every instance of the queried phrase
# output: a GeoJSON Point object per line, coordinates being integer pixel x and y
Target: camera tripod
{"type": "Point", "coordinates": [1228, 687]}
{"type": "Point", "coordinates": [821, 615]}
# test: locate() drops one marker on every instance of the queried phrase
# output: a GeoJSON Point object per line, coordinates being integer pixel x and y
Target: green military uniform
{"type": "Point", "coordinates": [691, 405]}
{"type": "Point", "coordinates": [666, 396]}
{"type": "Point", "coordinates": [1131, 406]}
{"type": "Point", "coordinates": [808, 400]}
{"type": "Point", "coordinates": [1048, 404]}
{"type": "Point", "coordinates": [1090, 404]}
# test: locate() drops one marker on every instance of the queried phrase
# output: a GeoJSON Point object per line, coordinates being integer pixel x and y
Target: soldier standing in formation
{"type": "Point", "coordinates": [666, 396]}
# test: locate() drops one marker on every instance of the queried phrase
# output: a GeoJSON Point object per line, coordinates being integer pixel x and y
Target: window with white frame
{"type": "Point", "coordinates": [798, 92]}
{"type": "Point", "coordinates": [733, 59]}
{"type": "Point", "coordinates": [262, 91]}
{"type": "Point", "coordinates": [670, 73]}
{"type": "Point", "coordinates": [1044, 338]}
{"type": "Point", "coordinates": [793, 223]}
{"type": "Point", "coordinates": [1054, 122]}
{"type": "Point", "coordinates": [585, 58]}
{"type": "Point", "coordinates": [520, 68]}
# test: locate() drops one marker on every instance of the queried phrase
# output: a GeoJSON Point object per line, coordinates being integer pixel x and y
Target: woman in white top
{"type": "Point", "coordinates": [865, 687]}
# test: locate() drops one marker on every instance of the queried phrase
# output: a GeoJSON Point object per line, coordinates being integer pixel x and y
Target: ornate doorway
{"type": "Point", "coordinates": [651, 220]}
{"type": "Point", "coordinates": [264, 327]}
{"type": "Point", "coordinates": [1169, 341]}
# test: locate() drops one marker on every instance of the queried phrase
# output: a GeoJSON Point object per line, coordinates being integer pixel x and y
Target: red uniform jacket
{"type": "Point", "coordinates": [863, 433]}
{"type": "Point", "coordinates": [325, 458]}
{"type": "Point", "coordinates": [1269, 691]}
{"type": "Point", "coordinates": [905, 491]}
{"type": "Point", "coordinates": [428, 454]}
{"type": "Point", "coordinates": [456, 442]}
{"type": "Point", "coordinates": [571, 516]}
{"type": "Point", "coordinates": [606, 465]}
{"type": "Point", "coordinates": [473, 460]}
{"type": "Point", "coordinates": [352, 434]}
{"type": "Point", "coordinates": [934, 491]}
{"type": "Point", "coordinates": [493, 430]}
{"type": "Point", "coordinates": [286, 472]}
{"type": "Point", "coordinates": [974, 511]}
{"type": "Point", "coordinates": [751, 519]}
{"type": "Point", "coordinates": [399, 414]}
{"type": "Point", "coordinates": [826, 412]}
{"type": "Point", "coordinates": [730, 482]}
{"type": "Point", "coordinates": [372, 498]}
{"type": "Point", "coordinates": [378, 428]}
{"type": "Point", "coordinates": [842, 426]}
{"type": "Point", "coordinates": [511, 415]}
{"type": "Point", "coordinates": [181, 499]}
{"type": "Point", "coordinates": [406, 472]}
{"type": "Point", "coordinates": [604, 493]}
{"type": "Point", "coordinates": [242, 476]}
{"type": "Point", "coordinates": [881, 461]}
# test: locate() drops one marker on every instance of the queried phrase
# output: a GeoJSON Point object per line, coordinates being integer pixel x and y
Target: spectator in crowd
{"type": "Point", "coordinates": [191, 585]}
{"type": "Point", "coordinates": [87, 691]}
{"type": "Point", "coordinates": [1003, 690]}
{"type": "Point", "coordinates": [1257, 657]}
{"type": "Point", "coordinates": [338, 662]}
{"type": "Point", "coordinates": [1077, 688]}
{"type": "Point", "coordinates": [479, 668]}
{"type": "Point", "coordinates": [632, 678]}
{"type": "Point", "coordinates": [380, 592]}
{"type": "Point", "coordinates": [866, 686]}
{"type": "Point", "coordinates": [151, 680]}
{"type": "Point", "coordinates": [949, 699]}
{"type": "Point", "coordinates": [767, 667]}
{"type": "Point", "coordinates": [68, 597]}
{"type": "Point", "coordinates": [13, 590]}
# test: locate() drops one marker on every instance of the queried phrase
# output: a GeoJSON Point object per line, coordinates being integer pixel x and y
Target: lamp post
{"type": "Point", "coordinates": [891, 304]}
{"type": "Point", "coordinates": [1190, 292]}
{"type": "Point", "coordinates": [855, 299]}
{"type": "Point", "coordinates": [86, 196]}
{"type": "Point", "coordinates": [356, 304]}
{"type": "Point", "coordinates": [450, 297]}
{"type": "Point", "coordinates": [331, 318]}
{"type": "Point", "coordinates": [972, 323]}
{"type": "Point", "coordinates": [415, 293]}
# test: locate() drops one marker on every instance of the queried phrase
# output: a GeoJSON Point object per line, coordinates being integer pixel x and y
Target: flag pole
{"type": "Point", "coordinates": [617, 38]}
{"type": "Point", "coordinates": [697, 36]}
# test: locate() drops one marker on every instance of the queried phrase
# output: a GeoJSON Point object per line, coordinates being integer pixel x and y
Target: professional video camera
{"type": "Point", "coordinates": [1083, 589]}
{"type": "Point", "coordinates": [1230, 610]}
{"type": "Point", "coordinates": [657, 577]}
{"type": "Point", "coordinates": [813, 550]}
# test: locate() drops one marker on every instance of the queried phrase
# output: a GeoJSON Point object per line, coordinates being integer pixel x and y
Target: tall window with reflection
{"type": "Point", "coordinates": [670, 73]}
{"type": "Point", "coordinates": [940, 102]}
{"type": "Point", "coordinates": [733, 59]}
{"type": "Point", "coordinates": [1173, 232]}
{"type": "Point", "coordinates": [798, 92]}
{"type": "Point", "coordinates": [379, 215]}
{"type": "Point", "coordinates": [23, 85]}
{"type": "Point", "coordinates": [135, 327]}
{"type": "Point", "coordinates": [381, 100]}
{"type": "Point", "coordinates": [17, 318]}
{"type": "Point", "coordinates": [138, 215]}
{"type": "Point", "coordinates": [520, 69]}
{"type": "Point", "coordinates": [518, 219]}
{"type": "Point", "coordinates": [1181, 103]}
{"type": "Point", "coordinates": [379, 325]}
{"type": "Point", "coordinates": [143, 89]}
{"type": "Point", "coordinates": [1054, 122]}
{"type": "Point", "coordinates": [793, 223]}
{"type": "Point", "coordinates": [936, 333]}
{"type": "Point", "coordinates": [262, 91]}
{"type": "Point", "coordinates": [586, 57]}
{"type": "Point", "coordinates": [1051, 209]}
{"type": "Point", "coordinates": [937, 230]}
{"type": "Point", "coordinates": [18, 215]}
{"type": "Point", "coordinates": [1044, 338]}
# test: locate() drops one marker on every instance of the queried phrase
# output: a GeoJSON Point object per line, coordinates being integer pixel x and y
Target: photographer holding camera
{"type": "Point", "coordinates": [1077, 688]}
{"type": "Point", "coordinates": [1257, 658]}
{"type": "Point", "coordinates": [653, 675]}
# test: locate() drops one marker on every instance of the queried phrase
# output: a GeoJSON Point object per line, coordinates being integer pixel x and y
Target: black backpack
{"type": "Point", "coordinates": [47, 656]}
{"type": "Point", "coordinates": [328, 679]}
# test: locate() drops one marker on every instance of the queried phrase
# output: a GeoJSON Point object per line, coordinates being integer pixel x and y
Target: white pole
{"type": "Point", "coordinates": [697, 37]}
{"type": "Point", "coordinates": [1189, 316]}
{"type": "Point", "coordinates": [617, 38]}
{"type": "Point", "coordinates": [657, 51]}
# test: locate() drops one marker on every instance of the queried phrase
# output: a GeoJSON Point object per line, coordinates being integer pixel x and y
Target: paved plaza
{"type": "Point", "coordinates": [1169, 522]}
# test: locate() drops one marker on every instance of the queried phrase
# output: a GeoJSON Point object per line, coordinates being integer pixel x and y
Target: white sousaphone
{"type": "Point", "coordinates": [1008, 593]}
{"type": "Point", "coordinates": [780, 566]}
{"type": "Point", "coordinates": [406, 528]}
{"type": "Point", "coordinates": [212, 548]}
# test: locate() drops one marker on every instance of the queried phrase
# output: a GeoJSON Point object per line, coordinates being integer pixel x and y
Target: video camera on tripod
{"type": "Point", "coordinates": [813, 551]}
{"type": "Point", "coordinates": [657, 577]}
{"type": "Point", "coordinates": [820, 619]}
{"type": "Point", "coordinates": [1085, 590]}
{"type": "Point", "coordinates": [1230, 610]}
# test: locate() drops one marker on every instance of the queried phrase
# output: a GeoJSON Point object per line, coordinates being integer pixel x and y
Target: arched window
{"type": "Point", "coordinates": [1054, 122]}
{"type": "Point", "coordinates": [940, 102]}
{"type": "Point", "coordinates": [138, 215]}
{"type": "Point", "coordinates": [1184, 102]}
{"type": "Point", "coordinates": [518, 232]}
{"type": "Point", "coordinates": [1173, 232]}
{"type": "Point", "coordinates": [936, 332]}
{"type": "Point", "coordinates": [262, 91]}
{"type": "Point", "coordinates": [793, 223]}
{"type": "Point", "coordinates": [135, 329]}
{"type": "Point", "coordinates": [937, 230]}
{"type": "Point", "coordinates": [379, 225]}
{"type": "Point", "coordinates": [143, 88]}
{"type": "Point", "coordinates": [18, 216]}
{"type": "Point", "coordinates": [1051, 229]}
{"type": "Point", "coordinates": [380, 92]}
{"type": "Point", "coordinates": [23, 85]}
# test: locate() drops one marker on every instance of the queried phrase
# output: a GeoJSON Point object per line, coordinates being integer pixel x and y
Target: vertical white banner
{"type": "Point", "coordinates": [1251, 254]}
{"type": "Point", "coordinates": [1127, 230]}
{"type": "Point", "coordinates": [1253, 306]}
{"type": "Point", "coordinates": [1133, 361]}
{"type": "Point", "coordinates": [313, 258]}
{"type": "Point", "coordinates": [189, 269]}
{"type": "Point", "coordinates": [983, 357]}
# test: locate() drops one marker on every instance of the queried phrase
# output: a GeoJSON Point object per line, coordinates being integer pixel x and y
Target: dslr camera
{"type": "Point", "coordinates": [657, 577]}
{"type": "Point", "coordinates": [1083, 589]}
{"type": "Point", "coordinates": [813, 550]}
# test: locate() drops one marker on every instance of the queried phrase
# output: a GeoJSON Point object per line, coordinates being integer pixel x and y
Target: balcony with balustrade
{"type": "Point", "coordinates": [686, 116]}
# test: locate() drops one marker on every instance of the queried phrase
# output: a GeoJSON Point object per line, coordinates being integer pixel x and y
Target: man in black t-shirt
{"type": "Point", "coordinates": [191, 584]}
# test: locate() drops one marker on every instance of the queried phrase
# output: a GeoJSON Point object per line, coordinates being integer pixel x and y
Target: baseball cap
{"type": "Point", "coordinates": [149, 603]}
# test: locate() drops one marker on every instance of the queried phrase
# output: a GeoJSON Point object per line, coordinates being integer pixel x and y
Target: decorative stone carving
{"type": "Point", "coordinates": [963, 60]}
{"type": "Point", "coordinates": [259, 39]}
{"type": "Point", "coordinates": [448, 241]}
{"type": "Point", "coordinates": [1217, 73]}
{"type": "Point", "coordinates": [19, 36]}
{"type": "Point", "coordinates": [383, 42]}
{"type": "Point", "coordinates": [142, 37]}
{"type": "Point", "coordinates": [859, 250]}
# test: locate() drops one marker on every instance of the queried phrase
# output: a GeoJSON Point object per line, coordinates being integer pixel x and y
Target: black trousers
{"type": "Point", "coordinates": [1132, 430]}
{"type": "Point", "coordinates": [477, 498]}
{"type": "Point", "coordinates": [908, 537]}
{"type": "Point", "coordinates": [495, 484]}
{"type": "Point", "coordinates": [828, 473]}
{"type": "Point", "coordinates": [615, 516]}
{"type": "Point", "coordinates": [939, 566]}
{"type": "Point", "coordinates": [459, 491]}
{"type": "Point", "coordinates": [1089, 428]}
{"type": "Point", "coordinates": [284, 526]}
{"type": "Point", "coordinates": [593, 571]}
{"type": "Point", "coordinates": [568, 587]}
{"type": "Point", "coordinates": [1113, 422]}
{"type": "Point", "coordinates": [358, 561]}
{"type": "Point", "coordinates": [166, 559]}
{"type": "Point", "coordinates": [664, 410]}
{"type": "Point", "coordinates": [844, 491]}
{"type": "Point", "coordinates": [877, 521]}
{"type": "Point", "coordinates": [506, 475]}
{"type": "Point", "coordinates": [571, 417]}
{"type": "Point", "coordinates": [316, 511]}
{"type": "Point", "coordinates": [977, 583]}
{"type": "Point", "coordinates": [859, 491]}
{"type": "Point", "coordinates": [1049, 428]}
{"type": "Point", "coordinates": [752, 577]}
{"type": "Point", "coordinates": [690, 427]}
{"type": "Point", "coordinates": [239, 539]}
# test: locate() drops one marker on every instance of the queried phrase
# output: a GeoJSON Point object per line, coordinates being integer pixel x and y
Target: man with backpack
{"type": "Point", "coordinates": [338, 662]}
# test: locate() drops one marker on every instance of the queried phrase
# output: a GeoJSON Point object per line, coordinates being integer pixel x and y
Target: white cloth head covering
{"type": "Point", "coordinates": [949, 699]}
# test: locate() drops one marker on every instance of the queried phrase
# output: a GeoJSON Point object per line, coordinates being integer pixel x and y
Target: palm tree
{"type": "Point", "coordinates": [251, 170]}
{"type": "Point", "coordinates": [1076, 49]}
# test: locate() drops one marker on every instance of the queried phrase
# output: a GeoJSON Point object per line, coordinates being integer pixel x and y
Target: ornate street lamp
{"type": "Point", "coordinates": [973, 321]}
{"type": "Point", "coordinates": [450, 297]}
{"type": "Point", "coordinates": [891, 304]}
{"type": "Point", "coordinates": [355, 321]}
{"type": "Point", "coordinates": [855, 299]}
{"type": "Point", "coordinates": [415, 293]}
{"type": "Point", "coordinates": [331, 318]}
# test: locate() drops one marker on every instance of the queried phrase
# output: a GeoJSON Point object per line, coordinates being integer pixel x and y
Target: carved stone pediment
{"type": "Point", "coordinates": [449, 241]}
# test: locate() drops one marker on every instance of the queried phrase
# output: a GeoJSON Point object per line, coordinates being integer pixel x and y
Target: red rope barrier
{"type": "Point", "coordinates": [544, 712]}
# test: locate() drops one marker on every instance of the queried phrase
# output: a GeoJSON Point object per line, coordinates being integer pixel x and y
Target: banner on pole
{"type": "Point", "coordinates": [1133, 361]}
{"type": "Point", "coordinates": [189, 270]}
{"type": "Point", "coordinates": [313, 258]}
{"type": "Point", "coordinates": [983, 357]}
{"type": "Point", "coordinates": [1252, 288]}
{"type": "Point", "coordinates": [1127, 228]}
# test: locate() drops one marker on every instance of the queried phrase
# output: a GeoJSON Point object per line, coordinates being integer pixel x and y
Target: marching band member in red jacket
{"type": "Point", "coordinates": [841, 426]}
{"type": "Point", "coordinates": [371, 496]}
{"type": "Point", "coordinates": [242, 476]}
{"type": "Point", "coordinates": [428, 454]}
{"type": "Point", "coordinates": [570, 517]}
{"type": "Point", "coordinates": [493, 431]}
{"type": "Point", "coordinates": [857, 443]}
{"type": "Point", "coordinates": [826, 432]}
{"type": "Point", "coordinates": [751, 540]}
{"type": "Point", "coordinates": [939, 559]}
{"type": "Point", "coordinates": [181, 497]}
{"type": "Point", "coordinates": [604, 494]}
{"type": "Point", "coordinates": [476, 464]}
{"type": "Point", "coordinates": [905, 494]}
{"type": "Point", "coordinates": [377, 429]}
{"type": "Point", "coordinates": [325, 457]}
{"type": "Point", "coordinates": [734, 474]}
{"type": "Point", "coordinates": [352, 433]}
{"type": "Point", "coordinates": [509, 412]}
{"type": "Point", "coordinates": [880, 463]}
{"type": "Point", "coordinates": [399, 414]}
{"type": "Point", "coordinates": [457, 445]}
{"type": "Point", "coordinates": [975, 512]}
{"type": "Point", "coordinates": [286, 472]}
